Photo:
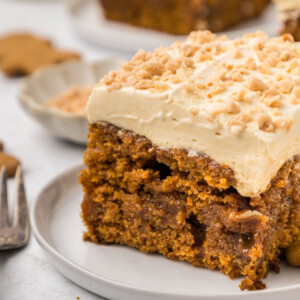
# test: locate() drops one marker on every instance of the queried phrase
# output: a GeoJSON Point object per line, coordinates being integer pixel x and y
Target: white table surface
{"type": "Point", "coordinates": [26, 274]}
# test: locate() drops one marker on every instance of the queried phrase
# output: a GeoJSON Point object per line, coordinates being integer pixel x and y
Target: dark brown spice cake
{"type": "Point", "coordinates": [183, 16]}
{"type": "Point", "coordinates": [185, 206]}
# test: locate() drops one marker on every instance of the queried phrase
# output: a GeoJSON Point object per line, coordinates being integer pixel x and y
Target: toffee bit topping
{"type": "Point", "coordinates": [294, 64]}
{"type": "Point", "coordinates": [232, 108]}
{"type": "Point", "coordinates": [256, 84]}
{"type": "Point", "coordinates": [286, 86]}
{"type": "Point", "coordinates": [144, 84]}
{"type": "Point", "coordinates": [194, 110]}
{"type": "Point", "coordinates": [238, 124]}
{"type": "Point", "coordinates": [265, 68]}
{"type": "Point", "coordinates": [239, 96]}
{"type": "Point", "coordinates": [236, 83]}
{"type": "Point", "coordinates": [236, 75]}
{"type": "Point", "coordinates": [250, 64]}
{"type": "Point", "coordinates": [265, 123]}
{"type": "Point", "coordinates": [237, 53]}
{"type": "Point", "coordinates": [272, 59]}
{"type": "Point", "coordinates": [296, 92]}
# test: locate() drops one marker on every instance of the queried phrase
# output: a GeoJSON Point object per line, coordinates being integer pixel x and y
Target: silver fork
{"type": "Point", "coordinates": [17, 235]}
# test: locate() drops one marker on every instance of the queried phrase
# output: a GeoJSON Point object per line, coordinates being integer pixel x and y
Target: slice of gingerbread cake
{"type": "Point", "coordinates": [289, 14]}
{"type": "Point", "coordinates": [183, 16]}
{"type": "Point", "coordinates": [193, 153]}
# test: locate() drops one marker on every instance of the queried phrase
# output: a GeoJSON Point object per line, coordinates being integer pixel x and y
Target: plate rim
{"type": "Point", "coordinates": [81, 26]}
{"type": "Point", "coordinates": [119, 285]}
{"type": "Point", "coordinates": [55, 121]}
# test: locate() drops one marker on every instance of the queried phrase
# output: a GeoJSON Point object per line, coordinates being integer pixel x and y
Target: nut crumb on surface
{"type": "Point", "coordinates": [256, 84]}
{"type": "Point", "coordinates": [265, 123]}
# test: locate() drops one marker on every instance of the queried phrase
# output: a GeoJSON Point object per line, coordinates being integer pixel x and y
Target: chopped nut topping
{"type": "Point", "coordinates": [256, 84]}
{"type": "Point", "coordinates": [262, 56]}
{"type": "Point", "coordinates": [272, 101]}
{"type": "Point", "coordinates": [236, 76]}
{"type": "Point", "coordinates": [265, 123]}
{"type": "Point", "coordinates": [237, 53]}
{"type": "Point", "coordinates": [144, 84]}
{"type": "Point", "coordinates": [114, 86]}
{"type": "Point", "coordinates": [259, 44]}
{"type": "Point", "coordinates": [286, 86]}
{"type": "Point", "coordinates": [216, 90]}
{"type": "Point", "coordinates": [174, 79]}
{"type": "Point", "coordinates": [273, 91]}
{"type": "Point", "coordinates": [272, 59]}
{"type": "Point", "coordinates": [296, 92]}
{"type": "Point", "coordinates": [194, 110]}
{"type": "Point", "coordinates": [139, 56]}
{"type": "Point", "coordinates": [232, 108]}
{"type": "Point", "coordinates": [239, 96]}
{"type": "Point", "coordinates": [286, 55]}
{"type": "Point", "coordinates": [265, 68]}
{"type": "Point", "coordinates": [172, 66]}
{"type": "Point", "coordinates": [287, 37]}
{"type": "Point", "coordinates": [250, 64]}
{"type": "Point", "coordinates": [294, 63]}
{"type": "Point", "coordinates": [161, 86]}
{"type": "Point", "coordinates": [187, 50]}
{"type": "Point", "coordinates": [239, 123]}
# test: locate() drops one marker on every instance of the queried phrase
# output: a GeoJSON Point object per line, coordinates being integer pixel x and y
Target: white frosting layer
{"type": "Point", "coordinates": [200, 121]}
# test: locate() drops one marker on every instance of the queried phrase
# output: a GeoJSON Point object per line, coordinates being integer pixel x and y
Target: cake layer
{"type": "Point", "coordinates": [184, 207]}
{"type": "Point", "coordinates": [183, 16]}
{"type": "Point", "coordinates": [236, 101]}
{"type": "Point", "coordinates": [289, 13]}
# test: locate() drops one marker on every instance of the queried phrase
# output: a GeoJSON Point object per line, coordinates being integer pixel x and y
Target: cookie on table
{"type": "Point", "coordinates": [10, 162]}
{"type": "Point", "coordinates": [22, 54]}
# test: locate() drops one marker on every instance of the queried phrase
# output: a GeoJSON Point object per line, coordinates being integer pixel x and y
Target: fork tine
{"type": "Point", "coordinates": [20, 206]}
{"type": "Point", "coordinates": [4, 218]}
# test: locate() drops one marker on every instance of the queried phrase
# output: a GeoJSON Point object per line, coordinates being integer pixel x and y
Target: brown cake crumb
{"type": "Point", "coordinates": [184, 205]}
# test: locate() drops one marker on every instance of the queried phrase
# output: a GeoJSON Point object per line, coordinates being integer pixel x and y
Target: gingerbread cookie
{"type": "Point", "coordinates": [22, 54]}
{"type": "Point", "coordinates": [10, 163]}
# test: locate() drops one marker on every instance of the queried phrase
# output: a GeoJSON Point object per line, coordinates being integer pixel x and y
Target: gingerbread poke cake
{"type": "Point", "coordinates": [289, 13]}
{"type": "Point", "coordinates": [182, 16]}
{"type": "Point", "coordinates": [194, 153]}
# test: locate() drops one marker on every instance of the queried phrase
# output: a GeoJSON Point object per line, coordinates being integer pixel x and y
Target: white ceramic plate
{"type": "Point", "coordinates": [88, 21]}
{"type": "Point", "coordinates": [49, 82]}
{"type": "Point", "coordinates": [119, 272]}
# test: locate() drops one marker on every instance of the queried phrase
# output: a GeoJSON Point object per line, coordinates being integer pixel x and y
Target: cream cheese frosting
{"type": "Point", "coordinates": [234, 100]}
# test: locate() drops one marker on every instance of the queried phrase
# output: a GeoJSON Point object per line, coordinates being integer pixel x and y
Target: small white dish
{"type": "Point", "coordinates": [49, 82]}
{"type": "Point", "coordinates": [88, 21]}
{"type": "Point", "coordinates": [120, 272]}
